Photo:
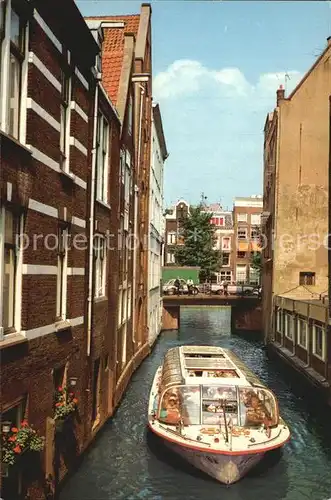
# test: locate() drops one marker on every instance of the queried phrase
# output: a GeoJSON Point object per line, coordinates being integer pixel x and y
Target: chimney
{"type": "Point", "coordinates": [328, 41]}
{"type": "Point", "coordinates": [280, 94]}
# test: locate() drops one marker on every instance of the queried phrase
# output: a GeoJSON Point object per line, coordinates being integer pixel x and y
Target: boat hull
{"type": "Point", "coordinates": [226, 469]}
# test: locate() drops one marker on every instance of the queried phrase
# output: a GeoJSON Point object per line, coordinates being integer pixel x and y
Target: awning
{"type": "Point", "coordinates": [243, 246]}
{"type": "Point", "coordinates": [255, 246]}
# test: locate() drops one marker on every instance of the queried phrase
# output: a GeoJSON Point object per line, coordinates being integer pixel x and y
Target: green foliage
{"type": "Point", "coordinates": [256, 261]}
{"type": "Point", "coordinates": [198, 242]}
{"type": "Point", "coordinates": [18, 441]}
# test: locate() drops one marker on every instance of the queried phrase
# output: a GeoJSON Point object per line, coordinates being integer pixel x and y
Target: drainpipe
{"type": "Point", "coordinates": [91, 220]}
{"type": "Point", "coordinates": [136, 189]}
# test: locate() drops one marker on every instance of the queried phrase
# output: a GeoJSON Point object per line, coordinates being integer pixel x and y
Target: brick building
{"type": "Point", "coordinates": [247, 232]}
{"type": "Point", "coordinates": [224, 234]}
{"type": "Point", "coordinates": [173, 230]}
{"type": "Point", "coordinates": [126, 75]}
{"type": "Point", "coordinates": [296, 222]}
{"type": "Point", "coordinates": [65, 199]}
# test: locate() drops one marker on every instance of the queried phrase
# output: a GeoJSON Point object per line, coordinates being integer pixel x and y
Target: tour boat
{"type": "Point", "coordinates": [208, 407]}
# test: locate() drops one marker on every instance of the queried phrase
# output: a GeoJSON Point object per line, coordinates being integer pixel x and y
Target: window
{"type": "Point", "coordinates": [171, 238]}
{"type": "Point", "coordinates": [289, 326]}
{"type": "Point", "coordinates": [127, 184]}
{"type": "Point", "coordinates": [11, 480]}
{"type": "Point", "coordinates": [11, 93]}
{"type": "Point", "coordinates": [10, 224]}
{"type": "Point", "coordinates": [122, 167]}
{"type": "Point", "coordinates": [61, 296]}
{"type": "Point", "coordinates": [130, 111]}
{"type": "Point", "coordinates": [125, 304]}
{"type": "Point", "coordinates": [225, 259]}
{"type": "Point", "coordinates": [170, 257]}
{"type": "Point", "coordinates": [2, 29]}
{"type": "Point", "coordinates": [307, 278]}
{"type": "Point", "coordinates": [256, 219]}
{"type": "Point", "coordinates": [319, 341]}
{"type": "Point", "coordinates": [100, 266]}
{"type": "Point", "coordinates": [254, 276]}
{"type": "Point", "coordinates": [65, 122]}
{"type": "Point", "coordinates": [96, 393]}
{"type": "Point", "coordinates": [120, 295]}
{"type": "Point", "coordinates": [226, 276]}
{"type": "Point", "coordinates": [279, 320]}
{"type": "Point", "coordinates": [241, 217]}
{"type": "Point", "coordinates": [226, 243]}
{"type": "Point", "coordinates": [129, 302]}
{"type": "Point", "coordinates": [302, 333]}
{"type": "Point", "coordinates": [255, 234]}
{"type": "Point", "coordinates": [241, 274]}
{"type": "Point", "coordinates": [241, 255]}
{"type": "Point", "coordinates": [242, 234]}
{"type": "Point", "coordinates": [102, 159]}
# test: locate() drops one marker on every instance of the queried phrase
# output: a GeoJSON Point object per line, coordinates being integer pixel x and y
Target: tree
{"type": "Point", "coordinates": [199, 240]}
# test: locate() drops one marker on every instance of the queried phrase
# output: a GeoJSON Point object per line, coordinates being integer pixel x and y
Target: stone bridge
{"type": "Point", "coordinates": [246, 311]}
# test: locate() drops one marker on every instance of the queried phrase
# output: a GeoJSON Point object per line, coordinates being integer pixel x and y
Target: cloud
{"type": "Point", "coordinates": [213, 121]}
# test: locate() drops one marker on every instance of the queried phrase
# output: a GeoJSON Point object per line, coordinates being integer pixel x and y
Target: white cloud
{"type": "Point", "coordinates": [213, 121]}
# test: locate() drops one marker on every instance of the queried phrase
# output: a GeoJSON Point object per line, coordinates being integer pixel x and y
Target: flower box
{"type": "Point", "coordinates": [18, 442]}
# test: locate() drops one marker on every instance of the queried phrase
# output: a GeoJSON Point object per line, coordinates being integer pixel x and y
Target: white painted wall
{"type": "Point", "coordinates": [156, 238]}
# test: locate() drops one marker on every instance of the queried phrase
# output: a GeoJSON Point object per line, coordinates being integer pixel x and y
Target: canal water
{"type": "Point", "coordinates": [127, 462]}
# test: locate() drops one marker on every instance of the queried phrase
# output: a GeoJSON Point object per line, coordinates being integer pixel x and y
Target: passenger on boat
{"type": "Point", "coordinates": [192, 405]}
{"type": "Point", "coordinates": [257, 412]}
{"type": "Point", "coordinates": [170, 408]}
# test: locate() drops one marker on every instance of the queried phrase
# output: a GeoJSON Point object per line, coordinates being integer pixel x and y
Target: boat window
{"type": "Point", "coordinates": [219, 403]}
{"type": "Point", "coordinates": [257, 407]}
{"type": "Point", "coordinates": [214, 373]}
{"type": "Point", "coordinates": [181, 403]}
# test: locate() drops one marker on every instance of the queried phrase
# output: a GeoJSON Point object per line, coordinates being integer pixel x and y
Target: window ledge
{"type": "Point", "coordinates": [68, 175]}
{"type": "Point", "coordinates": [100, 299]}
{"type": "Point", "coordinates": [12, 339]}
{"type": "Point", "coordinates": [103, 203]}
{"type": "Point", "coordinates": [62, 325]}
{"type": "Point", "coordinates": [15, 142]}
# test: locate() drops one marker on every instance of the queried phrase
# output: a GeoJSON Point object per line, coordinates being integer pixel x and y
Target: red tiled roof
{"type": "Point", "coordinates": [113, 50]}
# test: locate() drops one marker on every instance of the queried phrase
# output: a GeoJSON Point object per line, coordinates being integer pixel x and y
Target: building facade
{"type": "Point", "coordinates": [68, 283]}
{"type": "Point", "coordinates": [247, 232]}
{"type": "Point", "coordinates": [296, 221]}
{"type": "Point", "coordinates": [156, 225]}
{"type": "Point", "coordinates": [173, 230]}
{"type": "Point", "coordinates": [127, 78]}
{"type": "Point", "coordinates": [224, 235]}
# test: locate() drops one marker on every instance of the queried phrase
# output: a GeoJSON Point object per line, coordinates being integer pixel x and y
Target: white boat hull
{"type": "Point", "coordinates": [226, 469]}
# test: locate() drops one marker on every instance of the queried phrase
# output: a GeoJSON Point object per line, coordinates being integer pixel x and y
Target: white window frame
{"type": "Point", "coordinates": [129, 302]}
{"type": "Point", "coordinates": [224, 247]}
{"type": "Point", "coordinates": [119, 311]}
{"type": "Point", "coordinates": [62, 280]}
{"type": "Point", "coordinates": [100, 265]}
{"type": "Point", "coordinates": [315, 328]}
{"type": "Point", "coordinates": [289, 326]}
{"type": "Point", "coordinates": [255, 273]}
{"type": "Point", "coordinates": [8, 49]}
{"type": "Point", "coordinates": [226, 276]}
{"type": "Point", "coordinates": [241, 217]}
{"type": "Point", "coordinates": [302, 323]}
{"type": "Point", "coordinates": [130, 114]}
{"type": "Point", "coordinates": [229, 260]}
{"type": "Point", "coordinates": [65, 120]}
{"type": "Point", "coordinates": [171, 238]}
{"type": "Point", "coordinates": [279, 328]}
{"type": "Point", "coordinates": [243, 230]}
{"type": "Point", "coordinates": [102, 154]}
{"type": "Point", "coordinates": [15, 302]}
{"type": "Point", "coordinates": [255, 219]}
{"type": "Point", "coordinates": [241, 268]}
{"type": "Point", "coordinates": [170, 257]}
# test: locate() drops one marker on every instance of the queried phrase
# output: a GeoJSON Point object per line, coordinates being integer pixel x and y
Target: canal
{"type": "Point", "coordinates": [126, 462]}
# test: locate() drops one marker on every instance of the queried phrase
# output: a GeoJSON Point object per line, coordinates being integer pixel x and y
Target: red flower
{"type": "Point", "coordinates": [60, 389]}
{"type": "Point", "coordinates": [59, 404]}
{"type": "Point", "coordinates": [12, 438]}
{"type": "Point", "coordinates": [17, 449]}
{"type": "Point", "coordinates": [71, 394]}
{"type": "Point", "coordinates": [24, 423]}
{"type": "Point", "coordinates": [75, 400]}
{"type": "Point", "coordinates": [14, 429]}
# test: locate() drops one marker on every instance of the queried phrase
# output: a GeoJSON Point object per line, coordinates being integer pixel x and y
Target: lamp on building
{"type": "Point", "coordinates": [5, 427]}
{"type": "Point", "coordinates": [73, 381]}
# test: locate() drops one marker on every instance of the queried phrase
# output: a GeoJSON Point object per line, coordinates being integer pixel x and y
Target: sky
{"type": "Point", "coordinates": [216, 68]}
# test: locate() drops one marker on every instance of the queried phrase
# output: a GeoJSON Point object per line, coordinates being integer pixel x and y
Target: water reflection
{"type": "Point", "coordinates": [128, 462]}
